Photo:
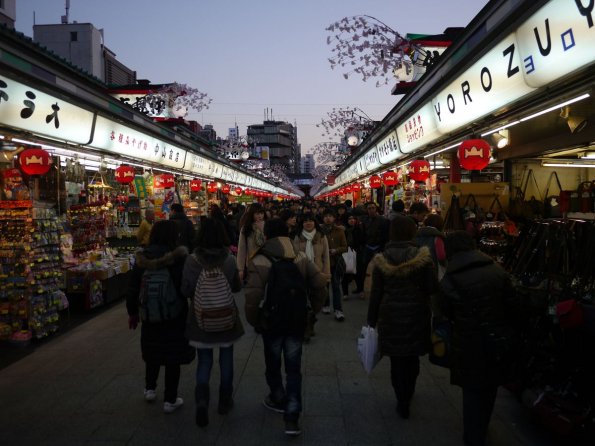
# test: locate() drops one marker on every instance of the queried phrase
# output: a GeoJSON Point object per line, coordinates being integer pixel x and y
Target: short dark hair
{"type": "Point", "coordinates": [329, 211]}
{"type": "Point", "coordinates": [348, 203]}
{"type": "Point", "coordinates": [402, 229]}
{"type": "Point", "coordinates": [435, 221]}
{"type": "Point", "coordinates": [275, 227]}
{"type": "Point", "coordinates": [458, 241]}
{"type": "Point", "coordinates": [164, 233]}
{"type": "Point", "coordinates": [286, 214]}
{"type": "Point", "coordinates": [419, 207]}
{"type": "Point", "coordinates": [212, 234]}
{"type": "Point", "coordinates": [398, 205]}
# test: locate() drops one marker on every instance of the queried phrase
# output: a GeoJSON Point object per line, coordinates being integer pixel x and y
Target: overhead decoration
{"type": "Point", "coordinates": [195, 185]}
{"type": "Point", "coordinates": [212, 187]}
{"type": "Point", "coordinates": [35, 161]}
{"type": "Point", "coordinates": [375, 182]}
{"type": "Point", "coordinates": [238, 190]}
{"type": "Point", "coordinates": [164, 181]}
{"type": "Point", "coordinates": [356, 187]}
{"type": "Point", "coordinates": [419, 170]}
{"type": "Point", "coordinates": [226, 189]}
{"type": "Point", "coordinates": [389, 178]}
{"type": "Point", "coordinates": [124, 174]}
{"type": "Point", "coordinates": [474, 154]}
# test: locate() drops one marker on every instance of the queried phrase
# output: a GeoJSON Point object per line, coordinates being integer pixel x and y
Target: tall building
{"type": "Point", "coordinates": [233, 133]}
{"type": "Point", "coordinates": [307, 163]}
{"type": "Point", "coordinates": [281, 139]}
{"type": "Point", "coordinates": [208, 133]}
{"type": "Point", "coordinates": [82, 45]}
{"type": "Point", "coordinates": [8, 13]}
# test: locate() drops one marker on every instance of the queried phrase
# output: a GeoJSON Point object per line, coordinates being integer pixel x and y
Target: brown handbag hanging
{"type": "Point", "coordinates": [555, 205]}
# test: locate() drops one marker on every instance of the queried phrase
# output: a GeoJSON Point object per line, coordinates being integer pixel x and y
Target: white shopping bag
{"type": "Point", "coordinates": [367, 348]}
{"type": "Point", "coordinates": [350, 258]}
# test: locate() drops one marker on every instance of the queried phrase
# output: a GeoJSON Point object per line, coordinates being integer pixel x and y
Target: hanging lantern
{"type": "Point", "coordinates": [389, 178]}
{"type": "Point", "coordinates": [474, 154]}
{"type": "Point", "coordinates": [164, 181]}
{"type": "Point", "coordinates": [248, 192]}
{"type": "Point", "coordinates": [195, 185]}
{"type": "Point", "coordinates": [212, 187]}
{"type": "Point", "coordinates": [348, 189]}
{"type": "Point", "coordinates": [226, 188]}
{"type": "Point", "coordinates": [356, 187]}
{"type": "Point", "coordinates": [124, 174]}
{"type": "Point", "coordinates": [35, 161]}
{"type": "Point", "coordinates": [375, 182]}
{"type": "Point", "coordinates": [419, 170]}
{"type": "Point", "coordinates": [238, 190]}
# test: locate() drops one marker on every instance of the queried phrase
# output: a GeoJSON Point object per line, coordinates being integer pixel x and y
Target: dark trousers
{"type": "Point", "coordinates": [288, 348]}
{"type": "Point", "coordinates": [404, 371]}
{"type": "Point", "coordinates": [336, 277]}
{"type": "Point", "coordinates": [478, 404]}
{"type": "Point", "coordinates": [172, 379]}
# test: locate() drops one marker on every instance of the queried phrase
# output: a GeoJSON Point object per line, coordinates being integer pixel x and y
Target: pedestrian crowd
{"type": "Point", "coordinates": [290, 260]}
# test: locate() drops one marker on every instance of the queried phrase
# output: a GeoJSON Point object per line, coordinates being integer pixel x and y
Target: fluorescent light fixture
{"type": "Point", "coordinates": [1, 136]}
{"type": "Point", "coordinates": [443, 150]}
{"type": "Point", "coordinates": [555, 107]}
{"type": "Point", "coordinates": [568, 164]}
{"type": "Point", "coordinates": [588, 156]}
{"type": "Point", "coordinates": [510, 124]}
{"type": "Point", "coordinates": [24, 141]}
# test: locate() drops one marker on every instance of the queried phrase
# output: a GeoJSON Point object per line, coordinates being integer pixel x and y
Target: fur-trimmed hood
{"type": "Point", "coordinates": [212, 257]}
{"type": "Point", "coordinates": [278, 247]}
{"type": "Point", "coordinates": [155, 257]}
{"type": "Point", "coordinates": [401, 259]}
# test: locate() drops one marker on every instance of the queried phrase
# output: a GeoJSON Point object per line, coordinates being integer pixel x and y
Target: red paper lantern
{"type": "Point", "coordinates": [389, 178]}
{"type": "Point", "coordinates": [419, 170]}
{"type": "Point", "coordinates": [474, 154]}
{"type": "Point", "coordinates": [212, 187]}
{"type": "Point", "coordinates": [226, 188]}
{"type": "Point", "coordinates": [124, 174]}
{"type": "Point", "coordinates": [375, 182]}
{"type": "Point", "coordinates": [348, 189]}
{"type": "Point", "coordinates": [164, 181]}
{"type": "Point", "coordinates": [195, 185]}
{"type": "Point", "coordinates": [35, 161]}
{"type": "Point", "coordinates": [238, 190]}
{"type": "Point", "coordinates": [248, 192]}
{"type": "Point", "coordinates": [356, 187]}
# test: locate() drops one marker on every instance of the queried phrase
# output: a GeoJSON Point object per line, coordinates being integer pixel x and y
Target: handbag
{"type": "Point", "coordinates": [552, 204]}
{"type": "Point", "coordinates": [440, 353]}
{"type": "Point", "coordinates": [350, 259]}
{"type": "Point", "coordinates": [454, 216]}
{"type": "Point", "coordinates": [519, 206]}
{"type": "Point", "coordinates": [367, 348]}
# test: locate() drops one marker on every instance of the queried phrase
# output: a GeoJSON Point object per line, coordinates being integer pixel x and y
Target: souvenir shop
{"type": "Point", "coordinates": [503, 128]}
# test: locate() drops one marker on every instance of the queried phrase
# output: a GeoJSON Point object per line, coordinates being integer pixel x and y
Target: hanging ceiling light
{"type": "Point", "coordinates": [501, 138]}
{"type": "Point", "coordinates": [576, 123]}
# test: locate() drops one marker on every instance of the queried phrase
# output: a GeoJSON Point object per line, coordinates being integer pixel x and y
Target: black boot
{"type": "Point", "coordinates": [201, 392]}
{"type": "Point", "coordinates": [225, 401]}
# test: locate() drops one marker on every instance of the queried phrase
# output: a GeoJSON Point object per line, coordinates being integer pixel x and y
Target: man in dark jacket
{"type": "Point", "coordinates": [477, 297]}
{"type": "Point", "coordinates": [280, 343]}
{"type": "Point", "coordinates": [403, 279]}
{"type": "Point", "coordinates": [185, 228]}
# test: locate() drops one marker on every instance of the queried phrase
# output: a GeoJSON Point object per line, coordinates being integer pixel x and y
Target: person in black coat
{"type": "Point", "coordinates": [403, 279]}
{"type": "Point", "coordinates": [478, 297]}
{"type": "Point", "coordinates": [184, 227]}
{"type": "Point", "coordinates": [162, 343]}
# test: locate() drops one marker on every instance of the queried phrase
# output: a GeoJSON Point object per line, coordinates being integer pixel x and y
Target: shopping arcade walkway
{"type": "Point", "coordinates": [84, 387]}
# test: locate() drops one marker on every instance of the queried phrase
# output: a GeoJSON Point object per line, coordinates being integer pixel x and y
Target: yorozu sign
{"type": "Point", "coordinates": [29, 109]}
{"type": "Point", "coordinates": [553, 42]}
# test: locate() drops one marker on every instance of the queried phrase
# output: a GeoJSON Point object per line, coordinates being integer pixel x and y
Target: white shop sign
{"type": "Point", "coordinates": [388, 149]}
{"type": "Point", "coordinates": [418, 130]}
{"type": "Point", "coordinates": [371, 160]}
{"type": "Point", "coordinates": [31, 110]}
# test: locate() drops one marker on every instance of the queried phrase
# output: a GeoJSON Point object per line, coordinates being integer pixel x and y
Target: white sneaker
{"type": "Point", "coordinates": [171, 407]}
{"type": "Point", "coordinates": [326, 310]}
{"type": "Point", "coordinates": [150, 395]}
{"type": "Point", "coordinates": [339, 315]}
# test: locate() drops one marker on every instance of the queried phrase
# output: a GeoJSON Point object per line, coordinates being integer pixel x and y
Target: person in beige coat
{"type": "Point", "coordinates": [251, 236]}
{"type": "Point", "coordinates": [314, 244]}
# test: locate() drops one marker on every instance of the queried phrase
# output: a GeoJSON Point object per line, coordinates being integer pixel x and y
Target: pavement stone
{"type": "Point", "coordinates": [84, 388]}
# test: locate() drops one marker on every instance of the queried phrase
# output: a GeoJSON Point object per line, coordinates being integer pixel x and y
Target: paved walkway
{"type": "Point", "coordinates": [84, 387]}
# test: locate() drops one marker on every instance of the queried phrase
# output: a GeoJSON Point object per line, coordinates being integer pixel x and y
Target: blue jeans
{"type": "Point", "coordinates": [205, 364]}
{"type": "Point", "coordinates": [291, 348]}
{"type": "Point", "coordinates": [336, 278]}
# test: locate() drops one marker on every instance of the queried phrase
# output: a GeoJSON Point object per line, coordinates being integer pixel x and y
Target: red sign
{"type": "Point", "coordinates": [375, 182]}
{"type": "Point", "coordinates": [124, 174]}
{"type": "Point", "coordinates": [163, 181]}
{"type": "Point", "coordinates": [389, 178]}
{"type": "Point", "coordinates": [330, 180]}
{"type": "Point", "coordinates": [195, 185]}
{"type": "Point", "coordinates": [474, 154]}
{"type": "Point", "coordinates": [35, 161]}
{"type": "Point", "coordinates": [212, 187]}
{"type": "Point", "coordinates": [226, 188]}
{"type": "Point", "coordinates": [419, 170]}
{"type": "Point", "coordinates": [238, 190]}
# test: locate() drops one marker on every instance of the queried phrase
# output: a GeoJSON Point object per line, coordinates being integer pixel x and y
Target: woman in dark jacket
{"type": "Point", "coordinates": [162, 342]}
{"type": "Point", "coordinates": [212, 252]}
{"type": "Point", "coordinates": [478, 297]}
{"type": "Point", "coordinates": [354, 234]}
{"type": "Point", "coordinates": [403, 278]}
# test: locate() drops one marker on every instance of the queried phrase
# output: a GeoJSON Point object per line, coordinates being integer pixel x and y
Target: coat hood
{"type": "Point", "coordinates": [279, 247]}
{"type": "Point", "coordinates": [211, 257]}
{"type": "Point", "coordinates": [402, 258]}
{"type": "Point", "coordinates": [464, 260]}
{"type": "Point", "coordinates": [155, 257]}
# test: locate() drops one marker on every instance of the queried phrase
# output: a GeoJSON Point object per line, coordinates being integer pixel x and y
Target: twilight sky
{"type": "Point", "coordinates": [249, 55]}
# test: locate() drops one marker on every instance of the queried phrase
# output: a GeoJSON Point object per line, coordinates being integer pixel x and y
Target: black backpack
{"type": "Point", "coordinates": [284, 308]}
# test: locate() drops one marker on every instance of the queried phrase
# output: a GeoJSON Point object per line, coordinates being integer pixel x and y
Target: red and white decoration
{"type": "Point", "coordinates": [212, 187]}
{"type": "Point", "coordinates": [164, 181]}
{"type": "Point", "coordinates": [474, 154]}
{"type": "Point", "coordinates": [124, 174]}
{"type": "Point", "coordinates": [375, 182]}
{"type": "Point", "coordinates": [195, 185]}
{"type": "Point", "coordinates": [419, 170]}
{"type": "Point", "coordinates": [35, 161]}
{"type": "Point", "coordinates": [390, 178]}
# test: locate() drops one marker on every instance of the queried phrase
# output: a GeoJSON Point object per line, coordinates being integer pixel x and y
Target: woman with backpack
{"type": "Point", "coordinates": [209, 277]}
{"type": "Point", "coordinates": [251, 236]}
{"type": "Point", "coordinates": [159, 267]}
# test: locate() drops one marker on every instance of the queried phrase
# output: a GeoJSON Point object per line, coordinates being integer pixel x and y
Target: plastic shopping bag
{"type": "Point", "coordinates": [350, 258]}
{"type": "Point", "coordinates": [367, 348]}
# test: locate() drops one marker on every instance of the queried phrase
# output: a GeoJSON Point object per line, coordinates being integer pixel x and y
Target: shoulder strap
{"type": "Point", "coordinates": [549, 181]}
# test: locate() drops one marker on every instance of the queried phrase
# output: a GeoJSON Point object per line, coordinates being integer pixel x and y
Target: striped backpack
{"type": "Point", "coordinates": [214, 306]}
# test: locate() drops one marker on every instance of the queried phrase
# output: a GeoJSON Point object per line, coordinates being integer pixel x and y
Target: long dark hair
{"type": "Point", "coordinates": [164, 233]}
{"type": "Point", "coordinates": [248, 218]}
{"type": "Point", "coordinates": [212, 234]}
